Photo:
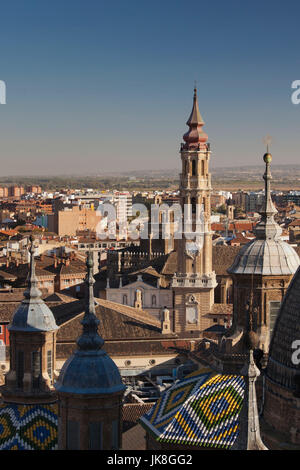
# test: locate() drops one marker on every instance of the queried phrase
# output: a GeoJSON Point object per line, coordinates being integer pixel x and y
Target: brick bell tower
{"type": "Point", "coordinates": [194, 282]}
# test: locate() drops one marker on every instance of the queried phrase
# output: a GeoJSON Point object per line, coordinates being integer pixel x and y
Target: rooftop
{"type": "Point", "coordinates": [200, 410]}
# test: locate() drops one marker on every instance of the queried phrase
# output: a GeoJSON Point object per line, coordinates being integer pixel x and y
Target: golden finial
{"type": "Point", "coordinates": [267, 141]}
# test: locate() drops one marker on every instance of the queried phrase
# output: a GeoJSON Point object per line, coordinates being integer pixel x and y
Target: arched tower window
{"type": "Point", "coordinates": [193, 167]}
{"type": "Point", "coordinates": [202, 167]}
{"type": "Point", "coordinates": [36, 369]}
{"type": "Point", "coordinates": [49, 364]}
{"type": "Point", "coordinates": [20, 369]}
{"type": "Point", "coordinates": [194, 204]}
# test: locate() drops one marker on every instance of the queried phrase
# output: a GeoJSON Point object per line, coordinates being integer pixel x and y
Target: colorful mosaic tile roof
{"type": "Point", "coordinates": [28, 427]}
{"type": "Point", "coordinates": [200, 410]}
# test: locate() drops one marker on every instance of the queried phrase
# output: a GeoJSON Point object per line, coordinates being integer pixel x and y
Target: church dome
{"type": "Point", "coordinates": [89, 372]}
{"type": "Point", "coordinates": [282, 368]}
{"type": "Point", "coordinates": [33, 315]}
{"type": "Point", "coordinates": [266, 257]}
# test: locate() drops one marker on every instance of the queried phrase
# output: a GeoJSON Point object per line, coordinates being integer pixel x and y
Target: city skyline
{"type": "Point", "coordinates": [95, 88]}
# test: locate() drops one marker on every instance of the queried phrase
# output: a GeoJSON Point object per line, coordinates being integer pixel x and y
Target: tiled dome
{"type": "Point", "coordinates": [280, 368]}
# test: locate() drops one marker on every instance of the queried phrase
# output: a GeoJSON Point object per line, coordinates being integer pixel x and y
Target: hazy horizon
{"type": "Point", "coordinates": [172, 172]}
{"type": "Point", "coordinates": [94, 87]}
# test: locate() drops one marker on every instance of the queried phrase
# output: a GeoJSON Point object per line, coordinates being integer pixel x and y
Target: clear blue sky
{"type": "Point", "coordinates": [94, 85]}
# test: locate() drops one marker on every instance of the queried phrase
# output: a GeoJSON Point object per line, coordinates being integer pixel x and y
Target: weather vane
{"type": "Point", "coordinates": [267, 141]}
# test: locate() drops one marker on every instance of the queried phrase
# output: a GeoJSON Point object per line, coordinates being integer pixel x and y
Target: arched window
{"type": "Point", "coordinates": [202, 167]}
{"type": "Point", "coordinates": [193, 167]}
{"type": "Point", "coordinates": [153, 299]}
{"type": "Point", "coordinates": [124, 299]}
{"type": "Point", "coordinates": [36, 368]}
{"type": "Point", "coordinates": [193, 202]}
{"type": "Point", "coordinates": [20, 369]}
{"type": "Point", "coordinates": [49, 364]}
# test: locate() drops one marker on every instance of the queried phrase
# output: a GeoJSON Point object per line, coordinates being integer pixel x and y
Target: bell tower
{"type": "Point", "coordinates": [194, 282]}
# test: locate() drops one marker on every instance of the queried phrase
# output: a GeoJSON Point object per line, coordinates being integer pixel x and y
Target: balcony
{"type": "Point", "coordinates": [195, 281]}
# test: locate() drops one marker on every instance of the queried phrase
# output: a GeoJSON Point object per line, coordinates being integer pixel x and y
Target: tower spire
{"type": "Point", "coordinates": [90, 340]}
{"type": "Point", "coordinates": [249, 431]}
{"type": "Point", "coordinates": [267, 228]}
{"type": "Point", "coordinates": [195, 137]}
{"type": "Point", "coordinates": [32, 291]}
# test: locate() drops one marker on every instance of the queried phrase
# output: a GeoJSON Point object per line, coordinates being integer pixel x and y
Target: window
{"type": "Point", "coordinates": [36, 369]}
{"type": "Point", "coordinates": [20, 369]}
{"type": "Point", "coordinates": [124, 299]}
{"type": "Point", "coordinates": [72, 435]}
{"type": "Point", "coordinates": [1, 330]}
{"type": "Point", "coordinates": [153, 299]}
{"type": "Point", "coordinates": [49, 364]}
{"type": "Point", "coordinates": [274, 307]}
{"type": "Point", "coordinates": [115, 434]}
{"type": "Point", "coordinates": [193, 201]}
{"type": "Point", "coordinates": [95, 436]}
{"type": "Point", "coordinates": [193, 167]}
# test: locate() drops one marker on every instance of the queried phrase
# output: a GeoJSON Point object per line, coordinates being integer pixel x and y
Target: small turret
{"type": "Point", "coordinates": [249, 431]}
{"type": "Point", "coordinates": [33, 347]}
{"type": "Point", "coordinates": [267, 228]}
{"type": "Point", "coordinates": [90, 383]}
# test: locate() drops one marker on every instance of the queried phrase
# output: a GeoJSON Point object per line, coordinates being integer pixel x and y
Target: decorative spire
{"type": "Point", "coordinates": [32, 291]}
{"type": "Point", "coordinates": [267, 228]}
{"type": "Point", "coordinates": [250, 336]}
{"type": "Point", "coordinates": [249, 432]}
{"type": "Point", "coordinates": [90, 340]}
{"type": "Point", "coordinates": [195, 137]}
